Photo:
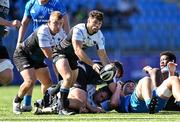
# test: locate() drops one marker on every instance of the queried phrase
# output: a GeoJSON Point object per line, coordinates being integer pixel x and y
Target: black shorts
{"type": "Point", "coordinates": [81, 81]}
{"type": "Point", "coordinates": [3, 52]}
{"type": "Point", "coordinates": [66, 53]}
{"type": "Point", "coordinates": [24, 61]}
{"type": "Point", "coordinates": [171, 105]}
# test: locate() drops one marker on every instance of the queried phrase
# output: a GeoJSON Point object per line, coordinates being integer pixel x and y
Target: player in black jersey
{"type": "Point", "coordinates": [29, 56]}
{"type": "Point", "coordinates": [71, 49]}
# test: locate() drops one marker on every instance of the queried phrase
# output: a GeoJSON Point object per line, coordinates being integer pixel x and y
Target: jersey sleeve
{"type": "Point", "coordinates": [44, 37]}
{"type": "Point", "coordinates": [28, 6]}
{"type": "Point", "coordinates": [101, 42]}
{"type": "Point", "coordinates": [77, 34]}
{"type": "Point", "coordinates": [106, 105]}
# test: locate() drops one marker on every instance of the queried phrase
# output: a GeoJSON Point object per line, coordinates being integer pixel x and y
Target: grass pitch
{"type": "Point", "coordinates": [7, 94]}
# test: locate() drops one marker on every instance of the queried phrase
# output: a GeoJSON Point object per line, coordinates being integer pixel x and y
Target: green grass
{"type": "Point", "coordinates": [7, 94]}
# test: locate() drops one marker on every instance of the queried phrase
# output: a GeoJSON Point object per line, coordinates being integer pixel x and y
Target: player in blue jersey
{"type": "Point", "coordinates": [167, 68]}
{"type": "Point", "coordinates": [6, 67]}
{"type": "Point", "coordinates": [39, 11]}
{"type": "Point", "coordinates": [145, 98]}
{"type": "Point", "coordinates": [29, 56]}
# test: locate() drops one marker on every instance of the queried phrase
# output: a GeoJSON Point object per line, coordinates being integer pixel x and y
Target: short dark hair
{"type": "Point", "coordinates": [96, 14]}
{"type": "Point", "coordinates": [119, 66]}
{"type": "Point", "coordinates": [171, 55]}
{"type": "Point", "coordinates": [104, 89]}
{"type": "Point", "coordinates": [128, 81]}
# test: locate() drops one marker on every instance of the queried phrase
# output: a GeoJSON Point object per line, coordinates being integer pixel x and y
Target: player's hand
{"type": "Point", "coordinates": [97, 67]}
{"type": "Point", "coordinates": [172, 67]}
{"type": "Point", "coordinates": [100, 110]}
{"type": "Point", "coordinates": [147, 69]}
{"type": "Point", "coordinates": [16, 23]}
{"type": "Point", "coordinates": [119, 85]}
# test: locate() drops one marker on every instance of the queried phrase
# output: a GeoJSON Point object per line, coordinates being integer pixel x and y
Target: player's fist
{"type": "Point", "coordinates": [147, 69]}
{"type": "Point", "coordinates": [16, 23]}
{"type": "Point", "coordinates": [97, 67]}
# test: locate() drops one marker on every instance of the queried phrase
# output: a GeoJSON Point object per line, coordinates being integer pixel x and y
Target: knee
{"type": "Point", "coordinates": [29, 83]}
{"type": "Point", "coordinates": [68, 78]}
{"type": "Point", "coordinates": [6, 81]}
{"type": "Point", "coordinates": [175, 79]}
{"type": "Point", "coordinates": [6, 78]}
{"type": "Point", "coordinates": [46, 85]}
{"type": "Point", "coordinates": [145, 79]}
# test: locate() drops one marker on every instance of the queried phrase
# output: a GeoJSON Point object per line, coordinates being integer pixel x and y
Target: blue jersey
{"type": "Point", "coordinates": [132, 104]}
{"type": "Point", "coordinates": [40, 13]}
{"type": "Point", "coordinates": [123, 104]}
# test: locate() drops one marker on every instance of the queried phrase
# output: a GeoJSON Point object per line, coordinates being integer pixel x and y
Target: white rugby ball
{"type": "Point", "coordinates": [108, 72]}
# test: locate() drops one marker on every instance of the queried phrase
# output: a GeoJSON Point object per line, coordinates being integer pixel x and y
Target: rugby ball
{"type": "Point", "coordinates": [108, 72]}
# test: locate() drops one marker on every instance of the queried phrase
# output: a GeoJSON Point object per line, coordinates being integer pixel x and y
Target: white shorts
{"type": "Point", "coordinates": [164, 91]}
{"type": "Point", "coordinates": [6, 64]}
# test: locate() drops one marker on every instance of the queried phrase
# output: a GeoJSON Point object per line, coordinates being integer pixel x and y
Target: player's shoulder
{"type": "Point", "coordinates": [80, 26]}
{"type": "Point", "coordinates": [43, 29]}
{"type": "Point", "coordinates": [31, 3]}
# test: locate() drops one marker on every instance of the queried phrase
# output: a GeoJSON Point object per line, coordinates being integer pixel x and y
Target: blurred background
{"type": "Point", "coordinates": [136, 31]}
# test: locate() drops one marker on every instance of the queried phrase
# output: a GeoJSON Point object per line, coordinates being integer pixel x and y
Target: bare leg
{"type": "Point", "coordinates": [68, 76]}
{"type": "Point", "coordinates": [144, 89]}
{"type": "Point", "coordinates": [44, 77]}
{"type": "Point", "coordinates": [29, 79]}
{"type": "Point", "coordinates": [172, 84]}
{"type": "Point", "coordinates": [6, 76]}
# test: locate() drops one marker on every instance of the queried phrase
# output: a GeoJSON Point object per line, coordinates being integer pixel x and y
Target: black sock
{"type": "Point", "coordinates": [18, 99]}
{"type": "Point", "coordinates": [63, 99]}
{"type": "Point", "coordinates": [55, 89]}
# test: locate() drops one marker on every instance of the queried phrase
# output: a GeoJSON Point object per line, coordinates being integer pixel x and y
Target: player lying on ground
{"type": "Point", "coordinates": [87, 77]}
{"type": "Point", "coordinates": [167, 68]}
{"type": "Point", "coordinates": [145, 98]}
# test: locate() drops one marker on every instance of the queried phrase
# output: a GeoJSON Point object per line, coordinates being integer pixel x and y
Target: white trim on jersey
{"type": "Point", "coordinates": [80, 33]}
{"type": "Point", "coordinates": [46, 39]}
{"type": "Point", "coordinates": [91, 89]}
